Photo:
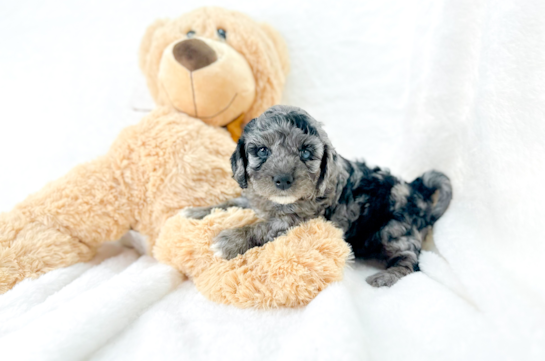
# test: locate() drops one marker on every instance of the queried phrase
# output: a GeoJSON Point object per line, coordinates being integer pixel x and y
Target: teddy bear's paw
{"type": "Point", "coordinates": [229, 243]}
{"type": "Point", "coordinates": [195, 212]}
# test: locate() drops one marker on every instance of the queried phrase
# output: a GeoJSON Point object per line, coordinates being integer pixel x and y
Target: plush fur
{"type": "Point", "coordinates": [291, 173]}
{"type": "Point", "coordinates": [166, 162]}
{"type": "Point", "coordinates": [205, 93]}
{"type": "Point", "coordinates": [288, 272]}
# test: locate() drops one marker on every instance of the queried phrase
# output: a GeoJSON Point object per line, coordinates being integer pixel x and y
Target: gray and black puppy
{"type": "Point", "coordinates": [290, 173]}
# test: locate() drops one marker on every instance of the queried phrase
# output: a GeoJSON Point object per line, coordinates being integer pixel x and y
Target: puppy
{"type": "Point", "coordinates": [290, 173]}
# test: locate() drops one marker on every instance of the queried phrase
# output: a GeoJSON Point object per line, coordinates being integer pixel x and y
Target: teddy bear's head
{"type": "Point", "coordinates": [214, 64]}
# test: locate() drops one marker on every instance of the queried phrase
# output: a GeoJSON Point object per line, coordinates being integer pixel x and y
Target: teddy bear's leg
{"type": "Point", "coordinates": [29, 249]}
{"type": "Point", "coordinates": [65, 222]}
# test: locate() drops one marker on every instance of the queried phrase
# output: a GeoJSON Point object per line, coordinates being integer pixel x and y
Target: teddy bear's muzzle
{"type": "Point", "coordinates": [194, 54]}
{"type": "Point", "coordinates": [207, 79]}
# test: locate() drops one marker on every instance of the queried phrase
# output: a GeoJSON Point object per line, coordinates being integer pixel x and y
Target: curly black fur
{"type": "Point", "coordinates": [382, 216]}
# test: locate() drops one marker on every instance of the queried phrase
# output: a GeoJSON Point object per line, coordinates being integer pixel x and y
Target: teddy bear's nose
{"type": "Point", "coordinates": [194, 54]}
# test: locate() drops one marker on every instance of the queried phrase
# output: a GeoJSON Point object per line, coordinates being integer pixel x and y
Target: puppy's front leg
{"type": "Point", "coordinates": [201, 212]}
{"type": "Point", "coordinates": [232, 242]}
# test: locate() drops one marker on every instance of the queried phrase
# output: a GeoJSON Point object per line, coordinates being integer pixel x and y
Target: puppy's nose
{"type": "Point", "coordinates": [283, 181]}
{"type": "Point", "coordinates": [194, 54]}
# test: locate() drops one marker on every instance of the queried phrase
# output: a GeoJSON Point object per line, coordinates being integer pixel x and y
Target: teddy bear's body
{"type": "Point", "coordinates": [152, 170]}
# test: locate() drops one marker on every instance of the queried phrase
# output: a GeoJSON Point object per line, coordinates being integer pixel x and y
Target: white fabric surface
{"type": "Point", "coordinates": [408, 84]}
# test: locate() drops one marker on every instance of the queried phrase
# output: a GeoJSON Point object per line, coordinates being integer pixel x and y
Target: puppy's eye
{"type": "Point", "coordinates": [305, 154]}
{"type": "Point", "coordinates": [222, 34]}
{"type": "Point", "coordinates": [263, 152]}
{"type": "Point", "coordinates": [190, 33]}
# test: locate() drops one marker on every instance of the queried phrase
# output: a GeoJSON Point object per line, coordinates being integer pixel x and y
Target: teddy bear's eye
{"type": "Point", "coordinates": [190, 33]}
{"type": "Point", "coordinates": [222, 34]}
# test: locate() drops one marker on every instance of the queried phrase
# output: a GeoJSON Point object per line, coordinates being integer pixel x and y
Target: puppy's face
{"type": "Point", "coordinates": [283, 156]}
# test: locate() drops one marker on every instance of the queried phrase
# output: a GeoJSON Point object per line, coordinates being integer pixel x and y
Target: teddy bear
{"type": "Point", "coordinates": [209, 71]}
{"type": "Point", "coordinates": [206, 70]}
{"type": "Point", "coordinates": [288, 272]}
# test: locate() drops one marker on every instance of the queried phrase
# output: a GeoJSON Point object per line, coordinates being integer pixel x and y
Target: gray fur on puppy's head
{"type": "Point", "coordinates": [284, 156]}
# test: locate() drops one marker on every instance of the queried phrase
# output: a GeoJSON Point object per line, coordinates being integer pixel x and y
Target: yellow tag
{"type": "Point", "coordinates": [235, 127]}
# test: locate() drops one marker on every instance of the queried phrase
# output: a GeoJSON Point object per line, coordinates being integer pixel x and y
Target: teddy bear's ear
{"type": "Point", "coordinates": [146, 42]}
{"type": "Point", "coordinates": [280, 46]}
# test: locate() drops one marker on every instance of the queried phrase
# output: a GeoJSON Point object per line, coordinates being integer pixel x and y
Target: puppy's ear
{"type": "Point", "coordinates": [327, 169]}
{"type": "Point", "coordinates": [239, 163]}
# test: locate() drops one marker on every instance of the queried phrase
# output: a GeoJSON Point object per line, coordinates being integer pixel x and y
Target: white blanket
{"type": "Point", "coordinates": [454, 85]}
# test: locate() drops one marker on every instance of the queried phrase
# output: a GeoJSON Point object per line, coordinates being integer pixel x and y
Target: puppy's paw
{"type": "Point", "coordinates": [195, 212]}
{"type": "Point", "coordinates": [216, 248]}
{"type": "Point", "coordinates": [385, 278]}
{"type": "Point", "coordinates": [229, 243]}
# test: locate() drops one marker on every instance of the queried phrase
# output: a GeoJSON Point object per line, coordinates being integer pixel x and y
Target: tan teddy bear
{"type": "Point", "coordinates": [206, 69]}
{"type": "Point", "coordinates": [288, 272]}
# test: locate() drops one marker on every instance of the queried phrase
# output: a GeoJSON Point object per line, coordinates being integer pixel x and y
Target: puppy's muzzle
{"type": "Point", "coordinates": [283, 181]}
